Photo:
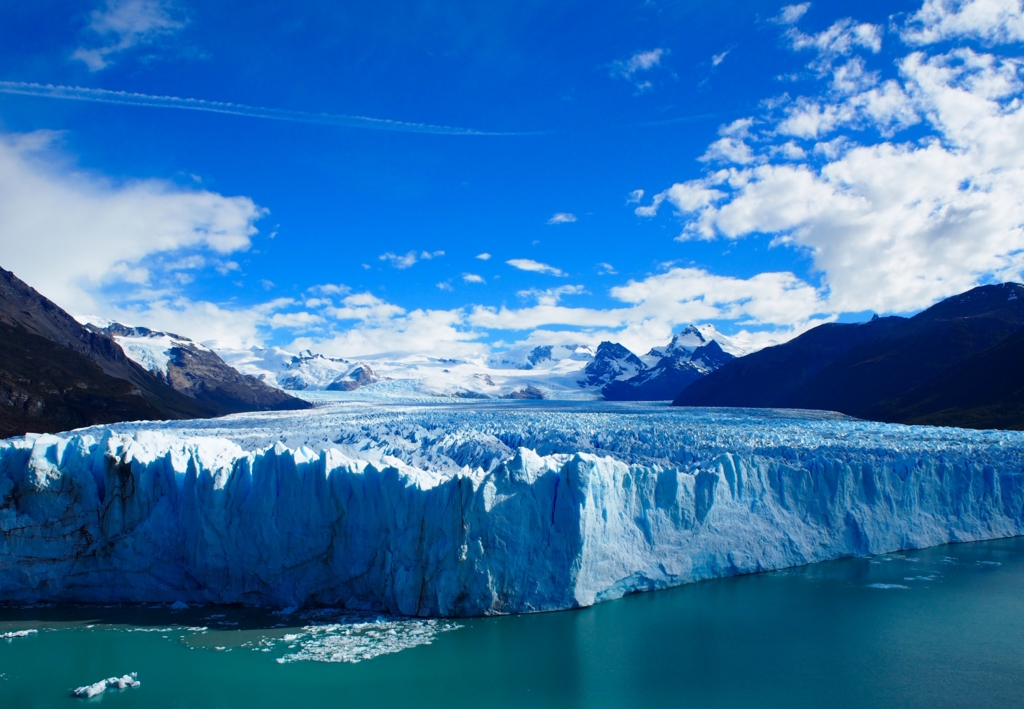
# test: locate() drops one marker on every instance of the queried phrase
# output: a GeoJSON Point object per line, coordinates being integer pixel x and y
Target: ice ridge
{"type": "Point", "coordinates": [467, 520]}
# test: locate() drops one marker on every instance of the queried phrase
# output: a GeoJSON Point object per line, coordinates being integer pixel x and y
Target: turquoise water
{"type": "Point", "coordinates": [942, 627]}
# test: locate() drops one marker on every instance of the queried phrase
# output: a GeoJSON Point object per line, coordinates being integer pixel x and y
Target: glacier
{"type": "Point", "coordinates": [478, 508]}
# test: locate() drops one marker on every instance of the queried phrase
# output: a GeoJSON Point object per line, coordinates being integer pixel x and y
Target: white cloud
{"type": "Point", "coordinates": [87, 232]}
{"type": "Point", "coordinates": [606, 269]}
{"type": "Point", "coordinates": [719, 58]}
{"type": "Point", "coordinates": [427, 332]}
{"type": "Point", "coordinates": [562, 218]}
{"type": "Point", "coordinates": [124, 24]}
{"type": "Point", "coordinates": [330, 289]}
{"type": "Point", "coordinates": [654, 306]}
{"type": "Point", "coordinates": [295, 321]}
{"type": "Point", "coordinates": [990, 21]}
{"type": "Point", "coordinates": [445, 286]}
{"type": "Point", "coordinates": [407, 260]}
{"type": "Point", "coordinates": [472, 278]}
{"type": "Point", "coordinates": [891, 226]}
{"type": "Point", "coordinates": [551, 296]}
{"type": "Point", "coordinates": [640, 62]}
{"type": "Point", "coordinates": [635, 196]}
{"type": "Point", "coordinates": [791, 14]}
{"type": "Point", "coordinates": [484, 256]}
{"type": "Point", "coordinates": [525, 264]}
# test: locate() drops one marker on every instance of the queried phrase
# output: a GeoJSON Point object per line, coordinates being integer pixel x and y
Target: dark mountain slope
{"type": "Point", "coordinates": [676, 370]}
{"type": "Point", "coordinates": [56, 374]}
{"type": "Point", "coordinates": [21, 306]}
{"type": "Point", "coordinates": [852, 368]}
{"type": "Point", "coordinates": [46, 387]}
{"type": "Point", "coordinates": [772, 376]}
{"type": "Point", "coordinates": [200, 374]}
{"type": "Point", "coordinates": [983, 391]}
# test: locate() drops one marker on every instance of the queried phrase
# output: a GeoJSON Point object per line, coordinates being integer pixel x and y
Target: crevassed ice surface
{"type": "Point", "coordinates": [449, 510]}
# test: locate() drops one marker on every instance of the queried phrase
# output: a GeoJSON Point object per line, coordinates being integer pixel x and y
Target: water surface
{"type": "Point", "coordinates": [942, 627]}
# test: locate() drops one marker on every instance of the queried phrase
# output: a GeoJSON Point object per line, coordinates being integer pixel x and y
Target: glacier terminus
{"type": "Point", "coordinates": [478, 508]}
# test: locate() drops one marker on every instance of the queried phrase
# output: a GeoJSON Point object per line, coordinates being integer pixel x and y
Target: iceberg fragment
{"type": "Point", "coordinates": [450, 511]}
{"type": "Point", "coordinates": [92, 690]}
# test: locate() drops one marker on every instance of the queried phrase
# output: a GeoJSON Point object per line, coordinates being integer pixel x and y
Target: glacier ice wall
{"type": "Point", "coordinates": [451, 513]}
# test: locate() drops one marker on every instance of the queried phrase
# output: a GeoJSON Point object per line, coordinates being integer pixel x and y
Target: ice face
{"type": "Point", "coordinates": [476, 509]}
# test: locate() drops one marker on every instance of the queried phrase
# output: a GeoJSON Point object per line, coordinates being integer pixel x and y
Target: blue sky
{"type": "Point", "coordinates": [641, 165]}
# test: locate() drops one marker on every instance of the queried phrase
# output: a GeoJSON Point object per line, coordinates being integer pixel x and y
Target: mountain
{"type": "Point", "coordinates": [853, 368]}
{"type": "Point", "coordinates": [46, 387]}
{"type": "Point", "coordinates": [611, 361]}
{"type": "Point", "coordinates": [56, 374]}
{"type": "Point", "coordinates": [689, 356]}
{"type": "Point", "coordinates": [198, 372]}
{"type": "Point", "coordinates": [983, 391]}
{"type": "Point", "coordinates": [569, 371]}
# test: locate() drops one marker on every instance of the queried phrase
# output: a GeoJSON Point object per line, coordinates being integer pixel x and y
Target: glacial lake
{"type": "Point", "coordinates": [941, 627]}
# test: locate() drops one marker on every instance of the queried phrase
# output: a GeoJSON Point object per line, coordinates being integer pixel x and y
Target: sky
{"type": "Point", "coordinates": [455, 178]}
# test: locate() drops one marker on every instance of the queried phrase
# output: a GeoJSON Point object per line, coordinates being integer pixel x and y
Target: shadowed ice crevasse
{"type": "Point", "coordinates": [147, 516]}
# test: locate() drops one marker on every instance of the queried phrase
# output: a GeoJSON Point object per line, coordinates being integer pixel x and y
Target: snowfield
{"type": "Point", "coordinates": [479, 508]}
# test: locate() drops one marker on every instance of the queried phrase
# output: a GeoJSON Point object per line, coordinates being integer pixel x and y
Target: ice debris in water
{"type": "Point", "coordinates": [17, 634]}
{"type": "Point", "coordinates": [887, 585]}
{"type": "Point", "coordinates": [353, 639]}
{"type": "Point", "coordinates": [92, 690]}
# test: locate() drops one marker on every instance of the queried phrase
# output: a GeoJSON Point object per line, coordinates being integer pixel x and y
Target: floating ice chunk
{"type": "Point", "coordinates": [92, 690]}
{"type": "Point", "coordinates": [990, 563]}
{"type": "Point", "coordinates": [352, 640]}
{"type": "Point", "coordinates": [17, 634]}
{"type": "Point", "coordinates": [887, 585]}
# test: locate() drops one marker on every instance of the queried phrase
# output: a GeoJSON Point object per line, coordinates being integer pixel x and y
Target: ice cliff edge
{"type": "Point", "coordinates": [156, 517]}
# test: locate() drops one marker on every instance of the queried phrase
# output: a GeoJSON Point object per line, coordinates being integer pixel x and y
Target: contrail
{"type": "Point", "coordinates": [125, 98]}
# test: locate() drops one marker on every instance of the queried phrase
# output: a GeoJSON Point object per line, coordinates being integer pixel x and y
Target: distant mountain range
{"type": "Point", "coordinates": [56, 374]}
{"type": "Point", "coordinates": [689, 357]}
{"type": "Point", "coordinates": [957, 363]}
{"type": "Point", "coordinates": [565, 371]}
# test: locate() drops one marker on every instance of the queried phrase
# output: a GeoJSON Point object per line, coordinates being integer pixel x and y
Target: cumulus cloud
{"type": "Point", "coordinates": [123, 24]}
{"type": "Point", "coordinates": [779, 304]}
{"type": "Point", "coordinates": [526, 264]}
{"type": "Point", "coordinates": [407, 260]}
{"type": "Point", "coordinates": [562, 218]}
{"type": "Point", "coordinates": [484, 256]}
{"type": "Point", "coordinates": [990, 21]}
{"type": "Point", "coordinates": [606, 269]}
{"type": "Point", "coordinates": [428, 332]}
{"type": "Point", "coordinates": [550, 296]}
{"type": "Point", "coordinates": [472, 278]}
{"type": "Point", "coordinates": [891, 226]}
{"type": "Point", "coordinates": [791, 14]}
{"type": "Point", "coordinates": [88, 232]}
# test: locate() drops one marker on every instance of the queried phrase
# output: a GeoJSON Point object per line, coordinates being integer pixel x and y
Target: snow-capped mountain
{"type": "Point", "coordinates": [539, 357]}
{"type": "Point", "coordinates": [660, 374]}
{"type": "Point", "coordinates": [546, 371]}
{"type": "Point", "coordinates": [302, 371]}
{"type": "Point", "coordinates": [611, 362]}
{"type": "Point", "coordinates": [194, 370]}
{"type": "Point", "coordinates": [678, 368]}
